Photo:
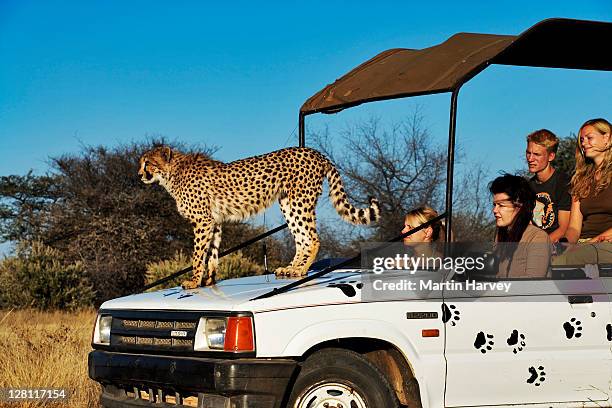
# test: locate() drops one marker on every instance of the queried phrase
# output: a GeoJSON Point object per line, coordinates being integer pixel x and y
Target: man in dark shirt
{"type": "Point", "coordinates": [552, 210]}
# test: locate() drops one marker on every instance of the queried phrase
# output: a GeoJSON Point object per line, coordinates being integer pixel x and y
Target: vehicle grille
{"type": "Point", "coordinates": [163, 331]}
{"type": "Point", "coordinates": [154, 397]}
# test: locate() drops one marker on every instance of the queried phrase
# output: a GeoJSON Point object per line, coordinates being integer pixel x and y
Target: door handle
{"type": "Point", "coordinates": [580, 299]}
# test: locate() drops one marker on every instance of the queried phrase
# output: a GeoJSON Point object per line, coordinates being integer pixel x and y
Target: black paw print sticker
{"type": "Point", "coordinates": [516, 341]}
{"type": "Point", "coordinates": [537, 377]}
{"type": "Point", "coordinates": [450, 313]}
{"type": "Point", "coordinates": [609, 331]}
{"type": "Point", "coordinates": [484, 342]}
{"type": "Point", "coordinates": [346, 288]}
{"type": "Point", "coordinates": [573, 328]}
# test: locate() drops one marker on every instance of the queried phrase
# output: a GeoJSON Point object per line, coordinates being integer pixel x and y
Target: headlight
{"type": "Point", "coordinates": [215, 333]}
{"type": "Point", "coordinates": [102, 331]}
{"type": "Point", "coordinates": [233, 334]}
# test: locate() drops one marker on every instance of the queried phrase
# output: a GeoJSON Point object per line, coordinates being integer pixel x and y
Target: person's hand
{"type": "Point", "coordinates": [555, 236]}
{"type": "Point", "coordinates": [560, 246]}
{"type": "Point", "coordinates": [603, 237]}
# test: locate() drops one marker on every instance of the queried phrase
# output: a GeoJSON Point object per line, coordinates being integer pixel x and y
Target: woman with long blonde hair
{"type": "Point", "coordinates": [591, 188]}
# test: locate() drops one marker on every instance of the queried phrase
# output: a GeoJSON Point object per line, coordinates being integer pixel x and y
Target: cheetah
{"type": "Point", "coordinates": [208, 192]}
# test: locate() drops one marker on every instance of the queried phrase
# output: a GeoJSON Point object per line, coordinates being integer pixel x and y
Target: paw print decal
{"type": "Point", "coordinates": [346, 288]}
{"type": "Point", "coordinates": [516, 341]}
{"type": "Point", "coordinates": [537, 377]}
{"type": "Point", "coordinates": [484, 342]}
{"type": "Point", "coordinates": [450, 313]}
{"type": "Point", "coordinates": [573, 328]}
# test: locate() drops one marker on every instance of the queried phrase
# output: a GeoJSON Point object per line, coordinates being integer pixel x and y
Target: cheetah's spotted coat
{"type": "Point", "coordinates": [208, 192]}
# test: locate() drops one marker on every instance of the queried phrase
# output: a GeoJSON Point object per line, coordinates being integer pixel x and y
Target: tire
{"type": "Point", "coordinates": [333, 378]}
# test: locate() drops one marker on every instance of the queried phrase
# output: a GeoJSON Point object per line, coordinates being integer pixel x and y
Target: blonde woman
{"type": "Point", "coordinates": [591, 189]}
{"type": "Point", "coordinates": [423, 242]}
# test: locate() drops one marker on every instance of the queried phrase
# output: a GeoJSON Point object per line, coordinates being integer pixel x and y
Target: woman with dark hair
{"type": "Point", "coordinates": [523, 249]}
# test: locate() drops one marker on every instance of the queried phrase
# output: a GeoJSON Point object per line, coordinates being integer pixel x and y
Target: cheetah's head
{"type": "Point", "coordinates": [155, 165]}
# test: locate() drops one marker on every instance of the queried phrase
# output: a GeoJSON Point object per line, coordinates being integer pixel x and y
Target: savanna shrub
{"type": "Point", "coordinates": [37, 277]}
{"type": "Point", "coordinates": [234, 265]}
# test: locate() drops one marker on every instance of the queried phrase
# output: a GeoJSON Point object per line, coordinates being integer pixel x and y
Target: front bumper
{"type": "Point", "coordinates": [239, 383]}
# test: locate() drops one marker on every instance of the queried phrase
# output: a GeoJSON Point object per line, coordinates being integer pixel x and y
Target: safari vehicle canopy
{"type": "Point", "coordinates": [401, 72]}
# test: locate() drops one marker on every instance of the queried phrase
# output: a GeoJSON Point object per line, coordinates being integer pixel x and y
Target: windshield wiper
{"type": "Point", "coordinates": [221, 255]}
{"type": "Point", "coordinates": [288, 287]}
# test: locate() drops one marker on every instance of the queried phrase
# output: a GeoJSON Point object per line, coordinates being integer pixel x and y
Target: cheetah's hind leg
{"type": "Point", "coordinates": [300, 217]}
{"type": "Point", "coordinates": [213, 257]}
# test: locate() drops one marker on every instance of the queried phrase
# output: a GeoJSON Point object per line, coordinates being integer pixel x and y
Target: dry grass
{"type": "Point", "coordinates": [47, 350]}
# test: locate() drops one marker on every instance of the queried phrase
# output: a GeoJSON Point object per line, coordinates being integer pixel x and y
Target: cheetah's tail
{"type": "Point", "coordinates": [348, 212]}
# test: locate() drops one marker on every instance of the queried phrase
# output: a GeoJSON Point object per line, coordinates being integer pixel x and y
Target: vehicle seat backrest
{"type": "Point", "coordinates": [567, 272]}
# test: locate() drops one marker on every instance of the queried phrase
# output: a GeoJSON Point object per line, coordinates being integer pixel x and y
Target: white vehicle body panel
{"type": "Point", "coordinates": [290, 324]}
{"type": "Point", "coordinates": [543, 365]}
{"type": "Point", "coordinates": [303, 329]}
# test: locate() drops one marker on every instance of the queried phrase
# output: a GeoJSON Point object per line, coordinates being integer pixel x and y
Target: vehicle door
{"type": "Point", "coordinates": [605, 273]}
{"type": "Point", "coordinates": [542, 341]}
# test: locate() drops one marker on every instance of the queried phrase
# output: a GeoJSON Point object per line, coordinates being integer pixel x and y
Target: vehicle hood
{"type": "Point", "coordinates": [338, 287]}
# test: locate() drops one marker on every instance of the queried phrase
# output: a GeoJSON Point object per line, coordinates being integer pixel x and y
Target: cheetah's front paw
{"type": "Point", "coordinates": [209, 281]}
{"type": "Point", "coordinates": [289, 272]}
{"type": "Point", "coordinates": [189, 284]}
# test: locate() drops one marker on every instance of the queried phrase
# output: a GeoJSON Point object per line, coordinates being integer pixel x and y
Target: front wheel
{"type": "Point", "coordinates": [338, 378]}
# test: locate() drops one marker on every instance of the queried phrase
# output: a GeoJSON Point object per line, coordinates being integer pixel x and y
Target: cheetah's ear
{"type": "Point", "coordinates": [167, 153]}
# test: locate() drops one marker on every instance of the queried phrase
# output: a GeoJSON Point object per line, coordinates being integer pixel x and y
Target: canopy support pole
{"type": "Point", "coordinates": [301, 135]}
{"type": "Point", "coordinates": [450, 161]}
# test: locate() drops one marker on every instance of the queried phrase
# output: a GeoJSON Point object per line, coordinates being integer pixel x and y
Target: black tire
{"type": "Point", "coordinates": [341, 376]}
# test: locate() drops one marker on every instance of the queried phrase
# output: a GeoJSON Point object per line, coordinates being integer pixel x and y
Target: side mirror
{"type": "Point", "coordinates": [488, 271]}
{"type": "Point", "coordinates": [491, 265]}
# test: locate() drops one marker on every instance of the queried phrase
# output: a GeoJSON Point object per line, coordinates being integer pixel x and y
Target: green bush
{"type": "Point", "coordinates": [158, 270]}
{"type": "Point", "coordinates": [37, 277]}
{"type": "Point", "coordinates": [234, 265]}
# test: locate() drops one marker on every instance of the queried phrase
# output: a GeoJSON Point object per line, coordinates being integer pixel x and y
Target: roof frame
{"type": "Point", "coordinates": [401, 73]}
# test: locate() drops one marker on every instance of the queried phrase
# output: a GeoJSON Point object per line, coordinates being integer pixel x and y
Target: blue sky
{"type": "Point", "coordinates": [108, 72]}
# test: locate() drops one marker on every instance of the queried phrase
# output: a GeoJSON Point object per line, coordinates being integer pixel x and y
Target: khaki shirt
{"type": "Point", "coordinates": [531, 257]}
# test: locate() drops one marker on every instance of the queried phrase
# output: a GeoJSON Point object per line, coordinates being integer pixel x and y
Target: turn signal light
{"type": "Point", "coordinates": [430, 333]}
{"type": "Point", "coordinates": [239, 334]}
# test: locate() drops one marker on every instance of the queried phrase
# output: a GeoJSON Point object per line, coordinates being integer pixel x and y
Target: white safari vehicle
{"type": "Point", "coordinates": [329, 341]}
